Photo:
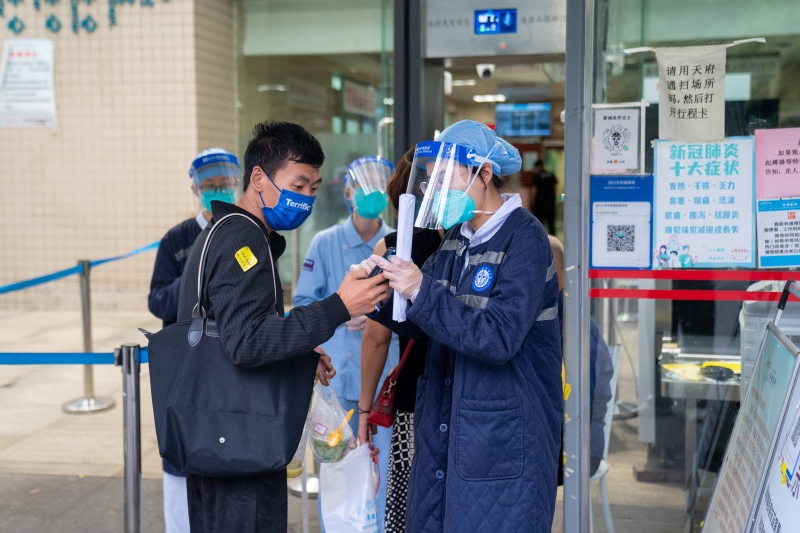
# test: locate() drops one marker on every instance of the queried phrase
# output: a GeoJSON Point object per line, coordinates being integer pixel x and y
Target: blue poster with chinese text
{"type": "Point", "coordinates": [705, 204]}
{"type": "Point", "coordinates": [621, 216]}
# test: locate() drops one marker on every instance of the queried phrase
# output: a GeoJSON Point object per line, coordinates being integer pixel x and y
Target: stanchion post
{"type": "Point", "coordinates": [128, 358]}
{"type": "Point", "coordinates": [89, 403]}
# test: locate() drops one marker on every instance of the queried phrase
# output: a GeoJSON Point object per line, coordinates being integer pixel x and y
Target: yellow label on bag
{"type": "Point", "coordinates": [245, 258]}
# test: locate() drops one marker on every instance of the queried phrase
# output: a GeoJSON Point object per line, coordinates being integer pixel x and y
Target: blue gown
{"type": "Point", "coordinates": [489, 406]}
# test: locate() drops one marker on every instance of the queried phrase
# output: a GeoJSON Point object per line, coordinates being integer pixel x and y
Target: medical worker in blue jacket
{"type": "Point", "coordinates": [489, 405]}
{"type": "Point", "coordinates": [329, 257]}
{"type": "Point", "coordinates": [215, 176]}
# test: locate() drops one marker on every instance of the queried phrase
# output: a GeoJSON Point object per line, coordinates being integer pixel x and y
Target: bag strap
{"type": "Point", "coordinates": [203, 257]}
{"type": "Point", "coordinates": [399, 366]}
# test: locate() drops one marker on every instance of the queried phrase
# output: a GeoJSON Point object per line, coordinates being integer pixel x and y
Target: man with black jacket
{"type": "Point", "coordinates": [281, 178]}
{"type": "Point", "coordinates": [215, 175]}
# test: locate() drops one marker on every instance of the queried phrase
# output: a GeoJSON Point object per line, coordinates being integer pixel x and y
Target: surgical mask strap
{"type": "Point", "coordinates": [273, 184]}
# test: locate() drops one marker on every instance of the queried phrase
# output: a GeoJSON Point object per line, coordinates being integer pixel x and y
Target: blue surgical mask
{"type": "Point", "coordinates": [459, 208]}
{"type": "Point", "coordinates": [219, 194]}
{"type": "Point", "coordinates": [290, 212]}
{"type": "Point", "coordinates": [370, 205]}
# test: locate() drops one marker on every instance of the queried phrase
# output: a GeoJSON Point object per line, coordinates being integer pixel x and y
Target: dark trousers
{"type": "Point", "coordinates": [548, 220]}
{"type": "Point", "coordinates": [250, 504]}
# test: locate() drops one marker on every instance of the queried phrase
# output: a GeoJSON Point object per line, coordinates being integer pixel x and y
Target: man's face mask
{"type": "Point", "coordinates": [291, 210]}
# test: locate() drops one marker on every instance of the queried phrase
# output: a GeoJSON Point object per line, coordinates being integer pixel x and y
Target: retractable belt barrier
{"type": "Point", "coordinates": [53, 276]}
{"type": "Point", "coordinates": [128, 357]}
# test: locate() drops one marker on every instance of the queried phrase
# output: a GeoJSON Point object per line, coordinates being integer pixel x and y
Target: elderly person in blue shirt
{"type": "Point", "coordinates": [329, 257]}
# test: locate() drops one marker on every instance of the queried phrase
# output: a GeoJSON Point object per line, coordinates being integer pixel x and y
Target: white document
{"type": "Point", "coordinates": [621, 234]}
{"type": "Point", "coordinates": [27, 94]}
{"type": "Point", "coordinates": [405, 232]}
{"type": "Point", "coordinates": [616, 140]}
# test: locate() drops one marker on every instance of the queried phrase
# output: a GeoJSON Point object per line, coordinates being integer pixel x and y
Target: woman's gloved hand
{"type": "Point", "coordinates": [367, 264]}
{"type": "Point", "coordinates": [357, 323]}
{"type": "Point", "coordinates": [404, 276]}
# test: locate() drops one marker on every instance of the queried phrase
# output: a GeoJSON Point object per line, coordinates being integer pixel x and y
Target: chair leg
{"type": "Point", "coordinates": [591, 520]}
{"type": "Point", "coordinates": [606, 506]}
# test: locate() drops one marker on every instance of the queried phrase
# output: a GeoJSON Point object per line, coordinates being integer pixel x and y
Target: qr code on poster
{"type": "Point", "coordinates": [621, 238]}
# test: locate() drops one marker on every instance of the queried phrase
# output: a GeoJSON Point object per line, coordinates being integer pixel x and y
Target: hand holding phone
{"type": "Point", "coordinates": [377, 270]}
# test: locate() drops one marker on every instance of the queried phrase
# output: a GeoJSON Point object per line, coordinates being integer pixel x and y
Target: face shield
{"type": "Point", "coordinates": [215, 177]}
{"type": "Point", "coordinates": [441, 176]}
{"type": "Point", "coordinates": [366, 179]}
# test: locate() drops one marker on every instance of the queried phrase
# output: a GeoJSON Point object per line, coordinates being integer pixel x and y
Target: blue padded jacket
{"type": "Point", "coordinates": [489, 406]}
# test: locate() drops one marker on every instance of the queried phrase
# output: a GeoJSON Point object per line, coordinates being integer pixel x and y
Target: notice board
{"type": "Point", "coordinates": [752, 438]}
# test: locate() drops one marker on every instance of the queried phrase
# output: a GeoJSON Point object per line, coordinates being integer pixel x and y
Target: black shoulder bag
{"type": "Point", "coordinates": [214, 418]}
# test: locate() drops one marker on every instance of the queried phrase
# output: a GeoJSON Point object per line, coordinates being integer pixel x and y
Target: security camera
{"type": "Point", "coordinates": [485, 70]}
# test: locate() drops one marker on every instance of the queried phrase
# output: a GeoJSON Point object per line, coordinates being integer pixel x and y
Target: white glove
{"type": "Point", "coordinates": [357, 323]}
{"type": "Point", "coordinates": [403, 276]}
{"type": "Point", "coordinates": [367, 264]}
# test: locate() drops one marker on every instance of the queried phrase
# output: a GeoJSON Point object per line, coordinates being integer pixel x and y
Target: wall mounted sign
{"type": "Point", "coordinates": [704, 215]}
{"type": "Point", "coordinates": [358, 99]}
{"type": "Point", "coordinates": [27, 96]}
{"type": "Point", "coordinates": [475, 28]}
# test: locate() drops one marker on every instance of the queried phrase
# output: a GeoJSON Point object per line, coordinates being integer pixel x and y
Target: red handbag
{"type": "Point", "coordinates": [382, 412]}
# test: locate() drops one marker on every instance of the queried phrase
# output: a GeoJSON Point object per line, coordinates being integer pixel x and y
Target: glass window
{"type": "Point", "coordinates": [687, 338]}
{"type": "Point", "coordinates": [328, 68]}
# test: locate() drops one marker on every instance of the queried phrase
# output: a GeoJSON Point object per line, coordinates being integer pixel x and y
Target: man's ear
{"type": "Point", "coordinates": [257, 178]}
{"type": "Point", "coordinates": [194, 190]}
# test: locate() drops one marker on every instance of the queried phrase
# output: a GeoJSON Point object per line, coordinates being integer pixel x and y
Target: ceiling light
{"type": "Point", "coordinates": [271, 87]}
{"type": "Point", "coordinates": [482, 98]}
{"type": "Point", "coordinates": [463, 83]}
{"type": "Point", "coordinates": [388, 101]}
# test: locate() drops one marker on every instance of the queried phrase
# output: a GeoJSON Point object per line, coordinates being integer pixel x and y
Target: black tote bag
{"type": "Point", "coordinates": [214, 418]}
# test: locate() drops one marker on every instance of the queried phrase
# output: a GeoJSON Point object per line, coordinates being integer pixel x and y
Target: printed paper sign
{"type": "Point", "coordinates": [778, 163]}
{"type": "Point", "coordinates": [691, 99]}
{"type": "Point", "coordinates": [616, 140]}
{"type": "Point", "coordinates": [691, 91]}
{"type": "Point", "coordinates": [621, 221]}
{"type": "Point", "coordinates": [704, 215]}
{"type": "Point", "coordinates": [778, 233]}
{"type": "Point", "coordinates": [27, 96]}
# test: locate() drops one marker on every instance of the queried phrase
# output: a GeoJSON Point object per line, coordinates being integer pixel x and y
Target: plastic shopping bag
{"type": "Point", "coordinates": [347, 494]}
{"type": "Point", "coordinates": [327, 416]}
{"type": "Point", "coordinates": [295, 466]}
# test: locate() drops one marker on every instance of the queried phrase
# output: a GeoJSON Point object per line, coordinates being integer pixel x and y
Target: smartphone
{"type": "Point", "coordinates": [377, 270]}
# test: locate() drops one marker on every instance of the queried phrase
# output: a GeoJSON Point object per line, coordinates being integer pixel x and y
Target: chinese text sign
{"type": "Point", "coordinates": [616, 140]}
{"type": "Point", "coordinates": [27, 97]}
{"type": "Point", "coordinates": [704, 214]}
{"type": "Point", "coordinates": [621, 221]}
{"type": "Point", "coordinates": [691, 101]}
{"type": "Point", "coordinates": [777, 163]}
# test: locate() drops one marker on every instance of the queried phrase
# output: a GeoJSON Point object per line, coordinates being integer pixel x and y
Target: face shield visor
{"type": "Point", "coordinates": [215, 177]}
{"type": "Point", "coordinates": [366, 180]}
{"type": "Point", "coordinates": [441, 176]}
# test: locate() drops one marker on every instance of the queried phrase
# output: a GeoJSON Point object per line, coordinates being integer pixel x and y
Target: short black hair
{"type": "Point", "coordinates": [275, 143]}
{"type": "Point", "coordinates": [539, 163]}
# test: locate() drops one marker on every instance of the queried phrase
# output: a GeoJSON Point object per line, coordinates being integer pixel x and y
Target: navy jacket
{"type": "Point", "coordinates": [489, 407]}
{"type": "Point", "coordinates": [170, 260]}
